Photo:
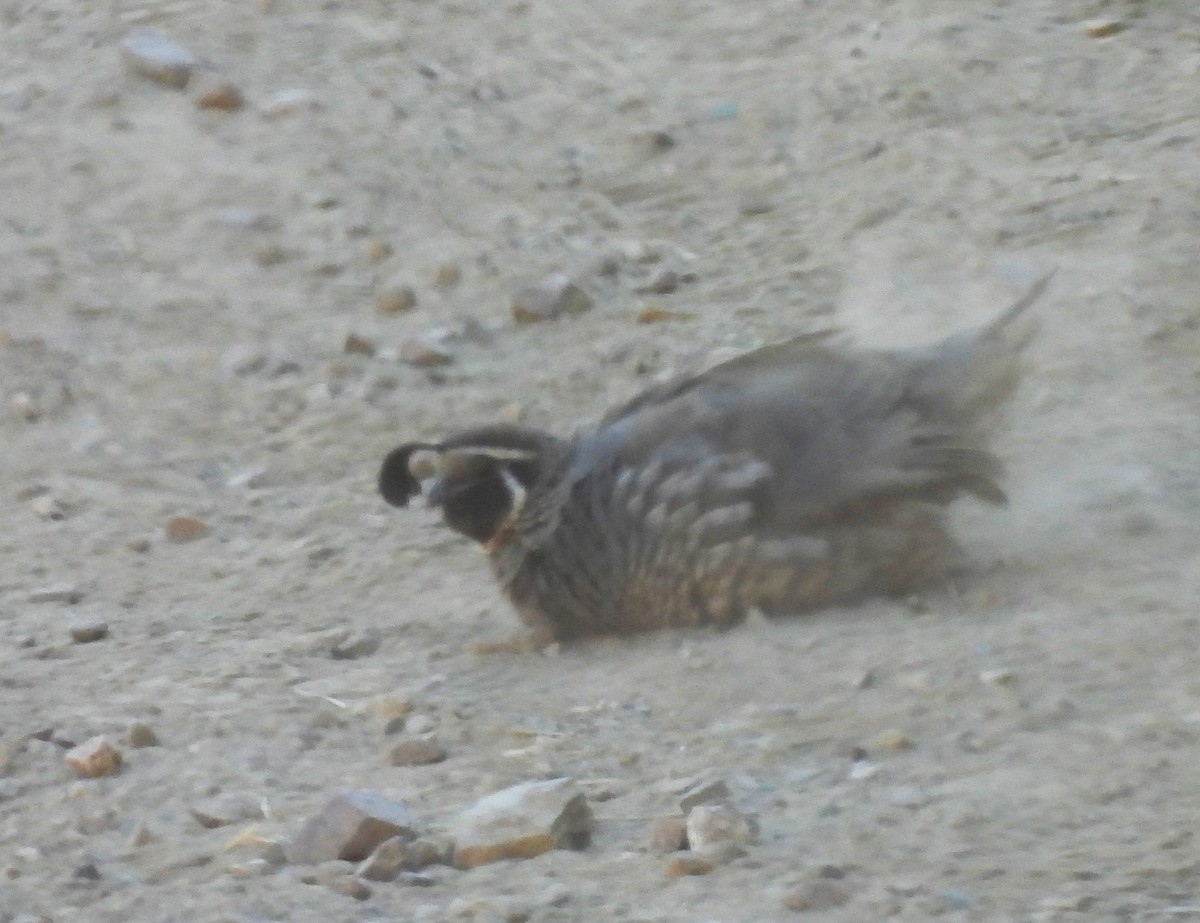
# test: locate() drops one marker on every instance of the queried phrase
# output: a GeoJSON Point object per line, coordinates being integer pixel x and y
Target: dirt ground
{"type": "Point", "coordinates": [177, 287]}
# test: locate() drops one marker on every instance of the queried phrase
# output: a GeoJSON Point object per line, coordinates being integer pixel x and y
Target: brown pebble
{"type": "Point", "coordinates": [349, 827]}
{"type": "Point", "coordinates": [225, 809]}
{"type": "Point", "coordinates": [141, 735]}
{"type": "Point", "coordinates": [424, 352]}
{"type": "Point", "coordinates": [894, 739]}
{"type": "Point", "coordinates": [217, 93]}
{"type": "Point", "coordinates": [679, 866]}
{"type": "Point", "coordinates": [1103, 28]}
{"type": "Point", "coordinates": [396, 300]}
{"type": "Point", "coordinates": [357, 345]}
{"type": "Point", "coordinates": [377, 250]}
{"type": "Point", "coordinates": [417, 753]}
{"type": "Point", "coordinates": [659, 315]}
{"type": "Point", "coordinates": [447, 274]}
{"type": "Point", "coordinates": [183, 529]}
{"type": "Point", "coordinates": [86, 632]}
{"type": "Point", "coordinates": [668, 834]}
{"type": "Point", "coordinates": [94, 758]}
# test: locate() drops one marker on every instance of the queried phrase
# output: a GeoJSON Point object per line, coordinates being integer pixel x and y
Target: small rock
{"type": "Point", "coordinates": [357, 644]}
{"type": "Point", "coordinates": [386, 861]}
{"type": "Point", "coordinates": [425, 352]}
{"type": "Point", "coordinates": [417, 753]}
{"type": "Point", "coordinates": [711, 791]}
{"type": "Point", "coordinates": [662, 282]}
{"type": "Point", "coordinates": [376, 251]}
{"type": "Point", "coordinates": [141, 735]}
{"type": "Point", "coordinates": [1103, 28]}
{"type": "Point", "coordinates": [86, 631]}
{"type": "Point", "coordinates": [349, 827]}
{"type": "Point", "coordinates": [212, 91]}
{"type": "Point", "coordinates": [548, 299]}
{"type": "Point", "coordinates": [142, 836]}
{"type": "Point", "coordinates": [94, 758]}
{"type": "Point", "coordinates": [816, 897]}
{"type": "Point", "coordinates": [523, 821]}
{"type": "Point", "coordinates": [420, 723]}
{"type": "Point", "coordinates": [157, 56]}
{"type": "Point", "coordinates": [668, 834]}
{"type": "Point", "coordinates": [679, 866]}
{"type": "Point", "coordinates": [720, 830]}
{"type": "Point", "coordinates": [429, 850]}
{"type": "Point", "coordinates": [58, 593]}
{"type": "Point", "coordinates": [660, 315]}
{"type": "Point", "coordinates": [350, 886]}
{"type": "Point", "coordinates": [894, 739]}
{"type": "Point", "coordinates": [47, 507]}
{"type": "Point", "coordinates": [396, 299]}
{"type": "Point", "coordinates": [183, 529]}
{"type": "Point", "coordinates": [251, 868]}
{"type": "Point", "coordinates": [226, 808]}
{"type": "Point", "coordinates": [288, 102]}
{"type": "Point", "coordinates": [87, 872]}
{"type": "Point", "coordinates": [656, 139]}
{"type": "Point", "coordinates": [447, 274]}
{"type": "Point", "coordinates": [999, 677]}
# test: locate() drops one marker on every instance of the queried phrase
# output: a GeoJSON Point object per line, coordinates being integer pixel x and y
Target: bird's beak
{"type": "Point", "coordinates": [437, 493]}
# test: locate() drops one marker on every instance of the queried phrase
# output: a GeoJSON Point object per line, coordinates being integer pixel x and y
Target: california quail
{"type": "Point", "coordinates": [796, 476]}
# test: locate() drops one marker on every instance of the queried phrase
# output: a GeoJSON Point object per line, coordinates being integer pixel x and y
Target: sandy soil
{"type": "Point", "coordinates": [176, 288]}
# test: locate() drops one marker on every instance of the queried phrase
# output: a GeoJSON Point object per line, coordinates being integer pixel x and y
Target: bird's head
{"type": "Point", "coordinates": [482, 479]}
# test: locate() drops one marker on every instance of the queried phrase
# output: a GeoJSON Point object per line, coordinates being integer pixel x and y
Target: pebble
{"type": "Point", "coordinates": [420, 723]}
{"type": "Point", "coordinates": [226, 808]}
{"type": "Point", "coordinates": [894, 739]}
{"type": "Point", "coordinates": [287, 102]}
{"type": "Point", "coordinates": [47, 507]}
{"type": "Point", "coordinates": [679, 866]}
{"type": "Point", "coordinates": [816, 897]}
{"type": "Point", "coordinates": [351, 886]}
{"type": "Point", "coordinates": [396, 299]}
{"type": "Point", "coordinates": [58, 593]}
{"type": "Point", "coordinates": [417, 753]}
{"type": "Point", "coordinates": [425, 352]}
{"type": "Point", "coordinates": [141, 735]}
{"type": "Point", "coordinates": [159, 57]}
{"type": "Point", "coordinates": [251, 868]}
{"type": "Point", "coordinates": [183, 529]}
{"type": "Point", "coordinates": [550, 298]}
{"type": "Point", "coordinates": [86, 631]}
{"type": "Point", "coordinates": [386, 861]}
{"type": "Point", "coordinates": [523, 821]}
{"type": "Point", "coordinates": [212, 91]}
{"type": "Point", "coordinates": [447, 274]}
{"type": "Point", "coordinates": [720, 830]}
{"type": "Point", "coordinates": [357, 644]}
{"type": "Point", "coordinates": [1103, 28]}
{"type": "Point", "coordinates": [94, 758]}
{"type": "Point", "coordinates": [668, 834]}
{"type": "Point", "coordinates": [376, 250]}
{"type": "Point", "coordinates": [998, 677]}
{"type": "Point", "coordinates": [349, 827]}
{"type": "Point", "coordinates": [711, 791]}
{"type": "Point", "coordinates": [357, 345]}
{"type": "Point", "coordinates": [662, 282]}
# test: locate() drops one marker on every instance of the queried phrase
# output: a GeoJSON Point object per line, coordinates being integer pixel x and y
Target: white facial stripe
{"type": "Point", "coordinates": [493, 452]}
{"type": "Point", "coordinates": [516, 488]}
{"type": "Point", "coordinates": [424, 463]}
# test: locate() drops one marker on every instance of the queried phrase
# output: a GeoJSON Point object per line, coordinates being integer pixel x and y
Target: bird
{"type": "Point", "coordinates": [802, 475]}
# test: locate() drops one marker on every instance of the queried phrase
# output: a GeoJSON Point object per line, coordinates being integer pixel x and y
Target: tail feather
{"type": "Point", "coordinates": [972, 373]}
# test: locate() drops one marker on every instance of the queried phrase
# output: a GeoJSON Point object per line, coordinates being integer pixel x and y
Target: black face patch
{"type": "Point", "coordinates": [474, 503]}
{"type": "Point", "coordinates": [396, 482]}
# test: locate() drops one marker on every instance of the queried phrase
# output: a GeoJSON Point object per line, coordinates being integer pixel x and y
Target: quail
{"type": "Point", "coordinates": [803, 474]}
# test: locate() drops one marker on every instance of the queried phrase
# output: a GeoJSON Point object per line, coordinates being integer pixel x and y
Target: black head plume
{"type": "Point", "coordinates": [396, 480]}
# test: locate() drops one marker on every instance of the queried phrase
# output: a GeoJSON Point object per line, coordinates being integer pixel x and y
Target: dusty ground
{"type": "Point", "coordinates": [176, 287]}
